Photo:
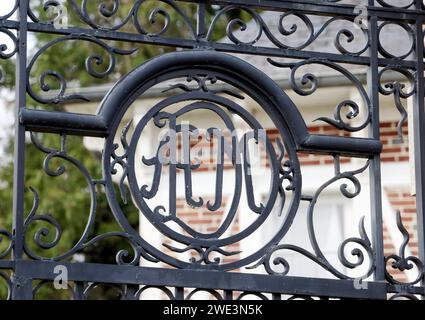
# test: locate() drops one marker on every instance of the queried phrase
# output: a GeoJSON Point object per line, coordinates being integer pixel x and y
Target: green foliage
{"type": "Point", "coordinates": [66, 199]}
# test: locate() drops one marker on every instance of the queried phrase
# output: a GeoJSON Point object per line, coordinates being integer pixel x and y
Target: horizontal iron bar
{"type": "Point", "coordinates": [7, 264]}
{"type": "Point", "coordinates": [203, 279]}
{"type": "Point", "coordinates": [95, 126]}
{"type": "Point", "coordinates": [402, 288]}
{"type": "Point", "coordinates": [322, 8]}
{"type": "Point", "coordinates": [223, 47]}
{"type": "Point", "coordinates": [344, 145]}
{"type": "Point", "coordinates": [63, 122]}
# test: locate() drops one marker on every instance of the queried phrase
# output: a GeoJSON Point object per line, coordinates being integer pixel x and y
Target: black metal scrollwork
{"type": "Point", "coordinates": [224, 87]}
{"type": "Point", "coordinates": [122, 257]}
{"type": "Point", "coordinates": [6, 237]}
{"type": "Point", "coordinates": [387, 5]}
{"type": "Point", "coordinates": [4, 48]}
{"type": "Point", "coordinates": [403, 296]}
{"type": "Point", "coordinates": [401, 262]}
{"type": "Point", "coordinates": [318, 256]}
{"type": "Point", "coordinates": [167, 292]}
{"type": "Point", "coordinates": [212, 293]}
{"type": "Point", "coordinates": [410, 32]}
{"type": "Point", "coordinates": [60, 95]}
{"type": "Point", "coordinates": [308, 84]}
{"type": "Point", "coordinates": [33, 216]}
{"type": "Point", "coordinates": [5, 278]}
{"type": "Point", "coordinates": [108, 11]}
{"type": "Point", "coordinates": [262, 28]}
{"type": "Point", "coordinates": [197, 92]}
{"type": "Point", "coordinates": [399, 91]}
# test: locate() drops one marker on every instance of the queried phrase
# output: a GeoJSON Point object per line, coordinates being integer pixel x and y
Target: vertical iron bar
{"type": "Point", "coordinates": [375, 165]}
{"type": "Point", "coordinates": [21, 282]}
{"type": "Point", "coordinates": [173, 169]}
{"type": "Point", "coordinates": [418, 136]}
{"type": "Point", "coordinates": [179, 293]}
{"type": "Point", "coordinates": [19, 146]}
{"type": "Point", "coordinates": [201, 27]}
{"type": "Point", "coordinates": [79, 290]}
{"type": "Point", "coordinates": [276, 296]}
{"type": "Point", "coordinates": [20, 286]}
{"type": "Point", "coordinates": [228, 295]}
{"type": "Point", "coordinates": [130, 293]}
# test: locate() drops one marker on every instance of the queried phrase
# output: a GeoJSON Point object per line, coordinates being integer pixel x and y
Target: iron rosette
{"type": "Point", "coordinates": [217, 85]}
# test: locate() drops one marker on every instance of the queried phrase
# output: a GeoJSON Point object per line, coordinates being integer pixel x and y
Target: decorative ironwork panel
{"type": "Point", "coordinates": [205, 90]}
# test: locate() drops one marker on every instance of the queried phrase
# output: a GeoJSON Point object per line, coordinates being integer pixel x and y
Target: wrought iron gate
{"type": "Point", "coordinates": [195, 261]}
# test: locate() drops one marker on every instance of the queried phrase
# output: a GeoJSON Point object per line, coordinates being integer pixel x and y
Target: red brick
{"type": "Point", "coordinates": [385, 142]}
{"type": "Point", "coordinates": [408, 210]}
{"type": "Point", "coordinates": [273, 131]}
{"type": "Point", "coordinates": [303, 155]}
{"type": "Point", "coordinates": [314, 129]}
{"type": "Point", "coordinates": [385, 124]}
{"type": "Point", "coordinates": [200, 221]}
{"type": "Point", "coordinates": [401, 202]}
{"type": "Point", "coordinates": [310, 163]}
{"type": "Point", "coordinates": [388, 159]}
{"type": "Point", "coordinates": [389, 133]}
{"type": "Point", "coordinates": [393, 149]}
{"type": "Point", "coordinates": [213, 213]}
{"type": "Point", "coordinates": [188, 214]}
{"type": "Point", "coordinates": [393, 195]}
{"type": "Point", "coordinates": [329, 128]}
